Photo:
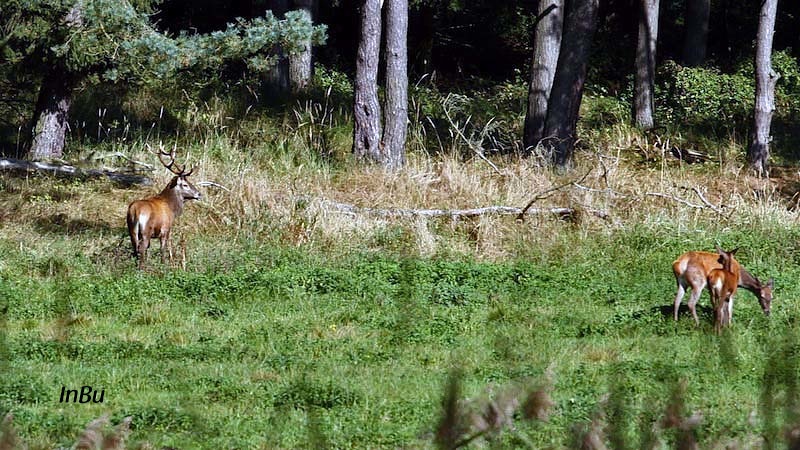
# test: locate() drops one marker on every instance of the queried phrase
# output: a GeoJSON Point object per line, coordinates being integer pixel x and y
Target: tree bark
{"type": "Point", "coordinates": [367, 110]}
{"type": "Point", "coordinates": [567, 91]}
{"type": "Point", "coordinates": [300, 63]}
{"type": "Point", "coordinates": [766, 78]}
{"type": "Point", "coordinates": [276, 81]}
{"type": "Point", "coordinates": [644, 82]}
{"type": "Point", "coordinates": [396, 107]}
{"type": "Point", "coordinates": [696, 34]}
{"type": "Point", "coordinates": [51, 117]}
{"type": "Point", "coordinates": [51, 114]}
{"type": "Point", "coordinates": [546, 46]}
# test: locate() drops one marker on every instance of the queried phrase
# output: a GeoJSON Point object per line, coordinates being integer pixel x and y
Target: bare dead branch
{"type": "Point", "coordinates": [544, 194]}
{"type": "Point", "coordinates": [710, 206]}
{"type": "Point", "coordinates": [675, 199]}
{"type": "Point", "coordinates": [213, 184]}
{"type": "Point", "coordinates": [458, 213]}
{"type": "Point", "coordinates": [706, 204]}
{"type": "Point", "coordinates": [126, 158]}
{"type": "Point", "coordinates": [600, 191]}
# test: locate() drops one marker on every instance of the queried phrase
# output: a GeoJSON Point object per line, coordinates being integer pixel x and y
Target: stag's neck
{"type": "Point", "coordinates": [174, 200]}
{"type": "Point", "coordinates": [748, 281]}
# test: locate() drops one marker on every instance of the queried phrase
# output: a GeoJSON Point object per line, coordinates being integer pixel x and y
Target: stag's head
{"type": "Point", "coordinates": [179, 183]}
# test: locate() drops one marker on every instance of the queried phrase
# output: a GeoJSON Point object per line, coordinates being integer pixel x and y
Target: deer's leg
{"type": "Point", "coordinates": [134, 243]}
{"type": "Point", "coordinates": [696, 292]}
{"type": "Point", "coordinates": [722, 314]}
{"type": "Point", "coordinates": [730, 310]}
{"type": "Point", "coordinates": [165, 248]}
{"type": "Point", "coordinates": [144, 243]}
{"type": "Point", "coordinates": [679, 298]}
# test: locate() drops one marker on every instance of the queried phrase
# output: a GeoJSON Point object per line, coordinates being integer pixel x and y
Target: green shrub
{"type": "Point", "coordinates": [705, 97]}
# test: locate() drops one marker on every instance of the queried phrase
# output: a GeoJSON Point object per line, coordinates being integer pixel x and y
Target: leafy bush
{"type": "Point", "coordinates": [699, 96]}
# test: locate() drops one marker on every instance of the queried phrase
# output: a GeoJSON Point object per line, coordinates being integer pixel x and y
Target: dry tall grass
{"type": "Point", "coordinates": [283, 175]}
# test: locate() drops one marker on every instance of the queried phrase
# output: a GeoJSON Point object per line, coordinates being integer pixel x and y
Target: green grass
{"type": "Point", "coordinates": [293, 326]}
{"type": "Point", "coordinates": [259, 344]}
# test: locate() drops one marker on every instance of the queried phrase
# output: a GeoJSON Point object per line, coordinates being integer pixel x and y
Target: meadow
{"type": "Point", "coordinates": [290, 323]}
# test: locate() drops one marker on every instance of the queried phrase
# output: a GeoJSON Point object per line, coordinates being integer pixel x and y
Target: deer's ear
{"type": "Point", "coordinates": [771, 283]}
{"type": "Point", "coordinates": [719, 250]}
{"type": "Point", "coordinates": [733, 252]}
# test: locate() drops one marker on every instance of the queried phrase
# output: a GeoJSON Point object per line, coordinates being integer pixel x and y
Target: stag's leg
{"type": "Point", "coordinates": [166, 248]}
{"type": "Point", "coordinates": [144, 243]}
{"type": "Point", "coordinates": [133, 233]}
{"type": "Point", "coordinates": [135, 244]}
{"type": "Point", "coordinates": [679, 298]}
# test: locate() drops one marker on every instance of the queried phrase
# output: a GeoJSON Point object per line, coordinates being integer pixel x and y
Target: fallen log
{"type": "Point", "coordinates": [68, 171]}
{"type": "Point", "coordinates": [564, 213]}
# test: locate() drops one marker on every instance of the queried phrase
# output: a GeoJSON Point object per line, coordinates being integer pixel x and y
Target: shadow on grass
{"type": "Point", "coordinates": [61, 223]}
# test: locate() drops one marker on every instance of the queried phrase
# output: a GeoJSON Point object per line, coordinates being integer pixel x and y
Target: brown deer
{"type": "Point", "coordinates": [691, 270]}
{"type": "Point", "coordinates": [722, 284]}
{"type": "Point", "coordinates": [153, 217]}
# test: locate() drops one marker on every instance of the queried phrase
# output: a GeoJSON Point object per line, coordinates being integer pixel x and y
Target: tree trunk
{"type": "Point", "coordinates": [300, 63]}
{"type": "Point", "coordinates": [276, 81]}
{"type": "Point", "coordinates": [396, 107]}
{"type": "Point", "coordinates": [644, 82]}
{"type": "Point", "coordinates": [51, 116]}
{"type": "Point", "coordinates": [367, 110]}
{"type": "Point", "coordinates": [696, 34]}
{"type": "Point", "coordinates": [567, 91]}
{"type": "Point", "coordinates": [766, 78]}
{"type": "Point", "coordinates": [547, 42]}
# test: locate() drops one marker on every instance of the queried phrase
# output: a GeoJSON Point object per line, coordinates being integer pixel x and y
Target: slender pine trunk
{"type": "Point", "coordinates": [567, 92]}
{"type": "Point", "coordinates": [644, 81]}
{"type": "Point", "coordinates": [396, 107]}
{"type": "Point", "coordinates": [367, 110]}
{"type": "Point", "coordinates": [546, 45]}
{"type": "Point", "coordinates": [766, 78]}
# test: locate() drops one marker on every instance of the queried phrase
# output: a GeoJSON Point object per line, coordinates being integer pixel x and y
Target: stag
{"type": "Point", "coordinates": [153, 217]}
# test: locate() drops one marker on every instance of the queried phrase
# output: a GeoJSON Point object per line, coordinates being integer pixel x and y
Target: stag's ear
{"type": "Point", "coordinates": [733, 252]}
{"type": "Point", "coordinates": [771, 283]}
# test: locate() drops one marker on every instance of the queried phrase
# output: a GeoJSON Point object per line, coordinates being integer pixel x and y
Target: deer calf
{"type": "Point", "coordinates": [153, 217]}
{"type": "Point", "coordinates": [722, 284]}
{"type": "Point", "coordinates": [691, 270]}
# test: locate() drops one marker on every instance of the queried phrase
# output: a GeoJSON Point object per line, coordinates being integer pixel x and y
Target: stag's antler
{"type": "Point", "coordinates": [170, 165]}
